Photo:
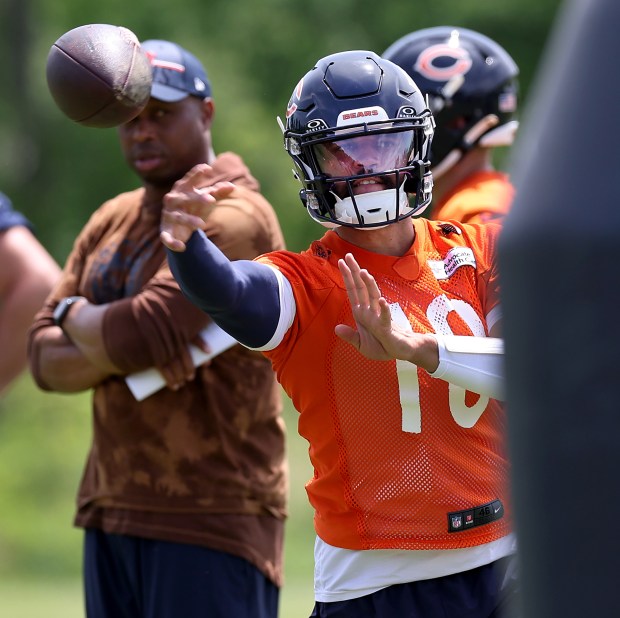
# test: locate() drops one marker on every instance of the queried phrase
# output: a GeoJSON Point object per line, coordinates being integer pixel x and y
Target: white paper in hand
{"type": "Point", "coordinates": [145, 383]}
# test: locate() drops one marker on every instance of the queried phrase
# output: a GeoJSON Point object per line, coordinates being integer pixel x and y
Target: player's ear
{"type": "Point", "coordinates": [208, 110]}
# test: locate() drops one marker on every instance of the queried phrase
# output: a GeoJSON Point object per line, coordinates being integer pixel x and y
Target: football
{"type": "Point", "coordinates": [98, 75]}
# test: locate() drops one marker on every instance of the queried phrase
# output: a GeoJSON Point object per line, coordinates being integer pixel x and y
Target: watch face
{"type": "Point", "coordinates": [60, 313]}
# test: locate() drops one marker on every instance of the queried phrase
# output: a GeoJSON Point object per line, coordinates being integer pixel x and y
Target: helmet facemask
{"type": "Point", "coordinates": [361, 175]}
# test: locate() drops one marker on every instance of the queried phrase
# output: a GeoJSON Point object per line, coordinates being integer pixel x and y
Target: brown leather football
{"type": "Point", "coordinates": [98, 75]}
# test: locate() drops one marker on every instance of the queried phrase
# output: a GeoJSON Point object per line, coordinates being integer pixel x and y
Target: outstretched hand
{"type": "Point", "coordinates": [376, 335]}
{"type": "Point", "coordinates": [188, 204]}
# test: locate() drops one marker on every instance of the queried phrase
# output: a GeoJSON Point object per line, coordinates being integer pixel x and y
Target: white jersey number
{"type": "Point", "coordinates": [409, 385]}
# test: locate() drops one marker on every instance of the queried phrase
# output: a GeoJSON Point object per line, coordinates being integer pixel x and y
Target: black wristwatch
{"type": "Point", "coordinates": [62, 308]}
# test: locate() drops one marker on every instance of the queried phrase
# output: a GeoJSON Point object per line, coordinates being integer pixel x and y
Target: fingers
{"type": "Point", "coordinates": [385, 315]}
{"type": "Point", "coordinates": [179, 370]}
{"type": "Point", "coordinates": [175, 375]}
{"type": "Point", "coordinates": [201, 344]}
{"type": "Point", "coordinates": [354, 284]}
{"type": "Point", "coordinates": [195, 202]}
{"type": "Point", "coordinates": [361, 286]}
{"type": "Point", "coordinates": [349, 283]}
{"type": "Point", "coordinates": [171, 242]}
{"type": "Point", "coordinates": [200, 180]}
{"type": "Point", "coordinates": [188, 205]}
{"type": "Point", "coordinates": [193, 178]}
{"type": "Point", "coordinates": [372, 289]}
{"type": "Point", "coordinates": [196, 193]}
{"type": "Point", "coordinates": [218, 191]}
{"type": "Point", "coordinates": [179, 218]}
{"type": "Point", "coordinates": [176, 228]}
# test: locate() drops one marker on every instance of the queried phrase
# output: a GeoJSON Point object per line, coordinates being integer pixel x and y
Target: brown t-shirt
{"type": "Point", "coordinates": [205, 464]}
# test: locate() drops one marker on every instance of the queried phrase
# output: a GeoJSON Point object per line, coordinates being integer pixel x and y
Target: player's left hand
{"type": "Point", "coordinates": [376, 335]}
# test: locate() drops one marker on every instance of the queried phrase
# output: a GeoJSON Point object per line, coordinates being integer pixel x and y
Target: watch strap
{"type": "Point", "coordinates": [62, 308]}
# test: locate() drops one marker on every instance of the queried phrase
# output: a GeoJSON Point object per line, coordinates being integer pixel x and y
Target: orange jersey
{"type": "Point", "coordinates": [483, 197]}
{"type": "Point", "coordinates": [394, 450]}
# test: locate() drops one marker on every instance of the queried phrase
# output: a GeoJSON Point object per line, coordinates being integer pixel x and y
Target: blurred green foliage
{"type": "Point", "coordinates": [43, 444]}
{"type": "Point", "coordinates": [57, 173]}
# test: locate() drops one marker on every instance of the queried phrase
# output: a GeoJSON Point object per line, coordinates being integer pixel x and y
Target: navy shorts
{"type": "Point", "coordinates": [130, 577]}
{"type": "Point", "coordinates": [490, 591]}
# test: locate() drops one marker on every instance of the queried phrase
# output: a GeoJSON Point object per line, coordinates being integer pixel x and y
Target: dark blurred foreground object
{"type": "Point", "coordinates": [98, 75]}
{"type": "Point", "coordinates": [559, 255]}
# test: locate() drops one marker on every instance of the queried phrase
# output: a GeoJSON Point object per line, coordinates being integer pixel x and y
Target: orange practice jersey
{"type": "Point", "coordinates": [483, 197]}
{"type": "Point", "coordinates": [394, 450]}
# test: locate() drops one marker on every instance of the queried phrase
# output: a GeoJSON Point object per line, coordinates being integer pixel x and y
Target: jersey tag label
{"type": "Point", "coordinates": [478, 516]}
{"type": "Point", "coordinates": [455, 258]}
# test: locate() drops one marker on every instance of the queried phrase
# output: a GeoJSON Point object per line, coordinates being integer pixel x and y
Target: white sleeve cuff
{"type": "Point", "coordinates": [288, 310]}
{"type": "Point", "coordinates": [473, 363]}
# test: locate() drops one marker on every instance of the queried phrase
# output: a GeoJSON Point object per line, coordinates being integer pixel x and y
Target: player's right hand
{"type": "Point", "coordinates": [188, 204]}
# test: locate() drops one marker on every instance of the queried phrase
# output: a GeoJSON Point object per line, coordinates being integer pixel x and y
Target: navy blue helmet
{"type": "Point", "coordinates": [356, 119]}
{"type": "Point", "coordinates": [471, 84]}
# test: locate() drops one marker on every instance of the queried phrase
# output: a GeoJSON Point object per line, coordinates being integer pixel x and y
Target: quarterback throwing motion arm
{"type": "Point", "coordinates": [242, 297]}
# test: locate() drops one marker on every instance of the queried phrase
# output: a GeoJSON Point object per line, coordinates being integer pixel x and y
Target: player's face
{"type": "Point", "coordinates": [167, 139]}
{"type": "Point", "coordinates": [364, 155]}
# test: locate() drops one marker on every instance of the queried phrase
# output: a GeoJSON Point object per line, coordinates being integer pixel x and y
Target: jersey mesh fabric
{"type": "Point", "coordinates": [376, 486]}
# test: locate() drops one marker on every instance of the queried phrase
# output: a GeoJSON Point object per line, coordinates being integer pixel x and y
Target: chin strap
{"type": "Point", "coordinates": [372, 206]}
{"type": "Point", "coordinates": [473, 363]}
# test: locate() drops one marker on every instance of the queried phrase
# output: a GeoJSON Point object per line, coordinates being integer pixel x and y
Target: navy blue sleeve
{"type": "Point", "coordinates": [241, 297]}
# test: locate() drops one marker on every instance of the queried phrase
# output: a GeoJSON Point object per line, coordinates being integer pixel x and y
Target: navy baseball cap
{"type": "Point", "coordinates": [176, 73]}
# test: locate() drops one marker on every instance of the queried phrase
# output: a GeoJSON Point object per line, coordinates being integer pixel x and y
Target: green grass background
{"type": "Point", "coordinates": [44, 438]}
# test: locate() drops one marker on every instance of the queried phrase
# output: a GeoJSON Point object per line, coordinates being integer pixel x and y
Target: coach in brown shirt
{"type": "Point", "coordinates": [183, 497]}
